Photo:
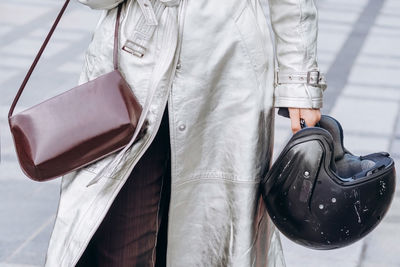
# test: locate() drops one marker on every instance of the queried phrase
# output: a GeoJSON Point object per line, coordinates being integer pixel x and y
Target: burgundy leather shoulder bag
{"type": "Point", "coordinates": [77, 127]}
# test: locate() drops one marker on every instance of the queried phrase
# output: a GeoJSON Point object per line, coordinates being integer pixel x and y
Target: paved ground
{"type": "Point", "coordinates": [358, 48]}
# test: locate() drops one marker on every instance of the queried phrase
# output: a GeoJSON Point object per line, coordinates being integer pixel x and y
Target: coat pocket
{"type": "Point", "coordinates": [252, 38]}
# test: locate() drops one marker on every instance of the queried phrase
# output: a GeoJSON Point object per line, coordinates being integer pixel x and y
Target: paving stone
{"type": "Point", "coordinates": [373, 75]}
{"type": "Point", "coordinates": [382, 247]}
{"type": "Point", "coordinates": [378, 61]}
{"type": "Point", "coordinates": [61, 34]}
{"type": "Point", "coordinates": [330, 46]}
{"type": "Point", "coordinates": [379, 264]}
{"type": "Point", "coordinates": [331, 16]}
{"type": "Point", "coordinates": [11, 171]}
{"type": "Point", "coordinates": [298, 256]}
{"type": "Point", "coordinates": [363, 145]}
{"type": "Point", "coordinates": [372, 93]}
{"type": "Point", "coordinates": [397, 131]}
{"type": "Point", "coordinates": [342, 5]}
{"type": "Point", "coordinates": [366, 116]}
{"type": "Point", "coordinates": [36, 206]}
{"type": "Point", "coordinates": [381, 45]}
{"type": "Point", "coordinates": [385, 32]}
{"type": "Point", "coordinates": [25, 13]}
{"type": "Point", "coordinates": [71, 36]}
{"type": "Point", "coordinates": [6, 74]}
{"type": "Point", "coordinates": [71, 67]}
{"type": "Point", "coordinates": [15, 63]}
{"type": "Point", "coordinates": [282, 134]}
{"type": "Point", "coordinates": [5, 29]}
{"type": "Point", "coordinates": [3, 264]}
{"type": "Point", "coordinates": [73, 20]}
{"type": "Point", "coordinates": [281, 122]}
{"type": "Point", "coordinates": [281, 138]}
{"type": "Point", "coordinates": [392, 6]}
{"type": "Point", "coordinates": [393, 214]}
{"type": "Point", "coordinates": [395, 148]}
{"type": "Point", "coordinates": [35, 254]}
{"type": "Point", "coordinates": [24, 47]}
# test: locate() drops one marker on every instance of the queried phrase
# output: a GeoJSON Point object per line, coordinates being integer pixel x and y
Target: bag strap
{"type": "Point", "coordinates": [42, 48]}
{"type": "Point", "coordinates": [116, 37]}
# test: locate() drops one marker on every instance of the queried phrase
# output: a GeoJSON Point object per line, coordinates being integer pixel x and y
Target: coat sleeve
{"type": "Point", "coordinates": [295, 26]}
{"type": "Point", "coordinates": [101, 4]}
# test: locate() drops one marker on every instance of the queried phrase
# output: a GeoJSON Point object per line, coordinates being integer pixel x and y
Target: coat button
{"type": "Point", "coordinates": [182, 127]}
{"type": "Point", "coordinates": [178, 65]}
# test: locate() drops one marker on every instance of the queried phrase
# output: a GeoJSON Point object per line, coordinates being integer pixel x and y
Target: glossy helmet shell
{"type": "Point", "coordinates": [320, 195]}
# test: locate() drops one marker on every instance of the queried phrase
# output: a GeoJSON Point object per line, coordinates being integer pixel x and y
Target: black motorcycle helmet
{"type": "Point", "coordinates": [320, 195]}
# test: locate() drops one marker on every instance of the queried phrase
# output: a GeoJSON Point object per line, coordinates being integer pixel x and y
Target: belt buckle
{"type": "Point", "coordinates": [131, 50]}
{"type": "Point", "coordinates": [313, 77]}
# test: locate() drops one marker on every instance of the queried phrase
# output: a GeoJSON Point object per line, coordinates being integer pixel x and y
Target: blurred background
{"type": "Point", "coordinates": [358, 48]}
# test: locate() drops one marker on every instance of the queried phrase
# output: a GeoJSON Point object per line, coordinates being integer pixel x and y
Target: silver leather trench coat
{"type": "Point", "coordinates": [213, 63]}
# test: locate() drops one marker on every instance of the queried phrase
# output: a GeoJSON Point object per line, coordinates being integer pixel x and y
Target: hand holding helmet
{"type": "Point", "coordinates": [309, 115]}
{"type": "Point", "coordinates": [322, 196]}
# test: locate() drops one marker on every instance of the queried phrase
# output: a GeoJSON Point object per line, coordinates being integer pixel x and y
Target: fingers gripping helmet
{"type": "Point", "coordinates": [322, 196]}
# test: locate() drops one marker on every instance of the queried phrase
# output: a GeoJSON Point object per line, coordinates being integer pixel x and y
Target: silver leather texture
{"type": "Point", "coordinates": [295, 24]}
{"type": "Point", "coordinates": [213, 63]}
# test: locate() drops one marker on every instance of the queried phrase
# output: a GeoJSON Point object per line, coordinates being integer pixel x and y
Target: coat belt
{"type": "Point", "coordinates": [139, 41]}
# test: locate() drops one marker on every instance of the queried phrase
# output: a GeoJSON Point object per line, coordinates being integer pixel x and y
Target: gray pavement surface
{"type": "Point", "coordinates": [358, 48]}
